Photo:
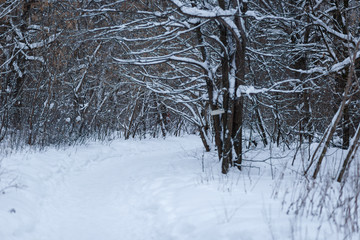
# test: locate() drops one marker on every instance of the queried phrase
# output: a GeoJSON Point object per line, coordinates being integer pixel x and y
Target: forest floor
{"type": "Point", "coordinates": [149, 189]}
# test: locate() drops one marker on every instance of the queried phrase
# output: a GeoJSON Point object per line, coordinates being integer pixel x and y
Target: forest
{"type": "Point", "coordinates": [240, 74]}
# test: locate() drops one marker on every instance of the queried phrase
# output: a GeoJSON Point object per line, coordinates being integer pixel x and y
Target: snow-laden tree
{"type": "Point", "coordinates": [25, 41]}
{"type": "Point", "coordinates": [192, 53]}
{"type": "Point", "coordinates": [313, 44]}
{"type": "Point", "coordinates": [338, 24]}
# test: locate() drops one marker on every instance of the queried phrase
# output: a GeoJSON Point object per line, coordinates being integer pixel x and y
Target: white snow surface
{"type": "Point", "coordinates": [132, 190]}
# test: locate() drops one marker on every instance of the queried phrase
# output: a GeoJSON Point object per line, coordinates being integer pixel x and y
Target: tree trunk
{"type": "Point", "coordinates": [227, 117]}
{"type": "Point", "coordinates": [239, 80]}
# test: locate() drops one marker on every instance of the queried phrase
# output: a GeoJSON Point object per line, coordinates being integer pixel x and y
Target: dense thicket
{"type": "Point", "coordinates": [58, 80]}
{"type": "Point", "coordinates": [238, 73]}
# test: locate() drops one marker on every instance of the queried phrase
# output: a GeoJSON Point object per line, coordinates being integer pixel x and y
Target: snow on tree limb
{"type": "Point", "coordinates": [216, 12]}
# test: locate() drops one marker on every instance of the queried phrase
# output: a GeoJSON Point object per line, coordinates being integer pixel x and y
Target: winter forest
{"type": "Point", "coordinates": [269, 88]}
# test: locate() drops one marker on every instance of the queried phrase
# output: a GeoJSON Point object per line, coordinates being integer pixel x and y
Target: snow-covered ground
{"type": "Point", "coordinates": [141, 190]}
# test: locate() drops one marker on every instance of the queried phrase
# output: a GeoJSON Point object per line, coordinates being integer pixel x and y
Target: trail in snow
{"type": "Point", "coordinates": [104, 192]}
{"type": "Point", "coordinates": [137, 190]}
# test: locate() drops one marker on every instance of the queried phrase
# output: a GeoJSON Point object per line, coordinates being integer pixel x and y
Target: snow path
{"type": "Point", "coordinates": [127, 190]}
{"type": "Point", "coordinates": [110, 199]}
{"type": "Point", "coordinates": [138, 190]}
